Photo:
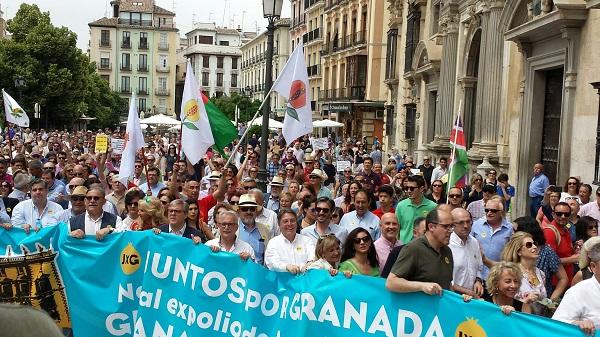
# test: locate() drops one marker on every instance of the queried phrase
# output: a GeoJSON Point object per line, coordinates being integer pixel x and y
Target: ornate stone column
{"type": "Point", "coordinates": [447, 86]}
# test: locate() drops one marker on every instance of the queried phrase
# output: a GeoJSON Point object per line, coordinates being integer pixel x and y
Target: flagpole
{"type": "Point", "coordinates": [252, 120]}
{"type": "Point", "coordinates": [455, 130]}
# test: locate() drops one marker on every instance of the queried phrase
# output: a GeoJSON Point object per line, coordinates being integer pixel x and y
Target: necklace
{"type": "Point", "coordinates": [531, 276]}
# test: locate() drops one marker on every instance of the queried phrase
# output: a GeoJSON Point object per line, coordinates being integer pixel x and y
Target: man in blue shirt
{"type": "Point", "coordinates": [153, 185]}
{"type": "Point", "coordinates": [537, 187]}
{"type": "Point", "coordinates": [255, 234]}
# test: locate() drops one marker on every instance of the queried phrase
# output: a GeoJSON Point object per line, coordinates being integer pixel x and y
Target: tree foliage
{"type": "Point", "coordinates": [58, 75]}
{"type": "Point", "coordinates": [227, 105]}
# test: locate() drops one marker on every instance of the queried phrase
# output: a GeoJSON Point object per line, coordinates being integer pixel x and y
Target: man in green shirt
{"type": "Point", "coordinates": [425, 264]}
{"type": "Point", "coordinates": [413, 207]}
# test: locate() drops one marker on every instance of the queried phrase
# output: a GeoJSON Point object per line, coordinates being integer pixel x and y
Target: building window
{"type": "Point", "coordinates": [104, 63]}
{"type": "Point", "coordinates": [143, 40]}
{"type": "Point", "coordinates": [143, 85]}
{"type": "Point", "coordinates": [125, 84]}
{"type": "Point", "coordinates": [143, 62]}
{"type": "Point", "coordinates": [105, 77]}
{"type": "Point", "coordinates": [206, 61]}
{"type": "Point", "coordinates": [126, 40]}
{"type": "Point", "coordinates": [234, 80]}
{"type": "Point", "coordinates": [390, 124]}
{"type": "Point", "coordinates": [163, 43]}
{"type": "Point", "coordinates": [220, 62]}
{"type": "Point", "coordinates": [390, 61]}
{"type": "Point", "coordinates": [162, 105]}
{"type": "Point", "coordinates": [142, 104]}
{"type": "Point", "coordinates": [105, 38]}
{"type": "Point", "coordinates": [203, 39]}
{"type": "Point", "coordinates": [412, 36]}
{"type": "Point", "coordinates": [435, 23]}
{"type": "Point", "coordinates": [162, 83]}
{"type": "Point", "coordinates": [205, 75]}
{"type": "Point", "coordinates": [223, 43]}
{"type": "Point", "coordinates": [234, 63]}
{"type": "Point", "coordinates": [411, 121]}
{"type": "Point", "coordinates": [125, 61]}
{"type": "Point", "coordinates": [219, 80]}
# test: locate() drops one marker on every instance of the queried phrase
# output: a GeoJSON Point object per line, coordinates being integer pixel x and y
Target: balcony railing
{"type": "Point", "coordinates": [310, 3]}
{"type": "Point", "coordinates": [163, 46]}
{"type": "Point", "coordinates": [143, 91]}
{"type": "Point", "coordinates": [161, 69]}
{"type": "Point", "coordinates": [134, 22]}
{"type": "Point", "coordinates": [356, 39]}
{"type": "Point", "coordinates": [343, 94]}
{"type": "Point", "coordinates": [143, 45]}
{"type": "Point", "coordinates": [104, 66]}
{"type": "Point", "coordinates": [314, 70]}
{"type": "Point", "coordinates": [126, 67]}
{"type": "Point", "coordinates": [104, 43]}
{"type": "Point", "coordinates": [161, 92]}
{"type": "Point", "coordinates": [126, 44]}
{"type": "Point", "coordinates": [333, 3]}
{"type": "Point", "coordinates": [125, 90]}
{"type": "Point", "coordinates": [143, 68]}
{"type": "Point", "coordinates": [299, 20]}
{"type": "Point", "coordinates": [311, 36]}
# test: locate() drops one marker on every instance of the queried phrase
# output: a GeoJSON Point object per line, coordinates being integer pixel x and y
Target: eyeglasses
{"type": "Point", "coordinates": [249, 187]}
{"type": "Point", "coordinates": [488, 210]}
{"type": "Point", "coordinates": [77, 198]}
{"type": "Point", "coordinates": [322, 209]}
{"type": "Point", "coordinates": [410, 188]}
{"type": "Point", "coordinates": [233, 202]}
{"type": "Point", "coordinates": [137, 166]}
{"type": "Point", "coordinates": [447, 227]}
{"type": "Point", "coordinates": [454, 195]}
{"type": "Point", "coordinates": [529, 244]}
{"type": "Point", "coordinates": [364, 239]}
{"type": "Point", "coordinates": [92, 197]}
{"type": "Point", "coordinates": [492, 173]}
{"type": "Point", "coordinates": [248, 209]}
{"type": "Point", "coordinates": [436, 185]}
{"type": "Point", "coordinates": [227, 224]}
{"type": "Point", "coordinates": [177, 211]}
{"type": "Point", "coordinates": [562, 214]}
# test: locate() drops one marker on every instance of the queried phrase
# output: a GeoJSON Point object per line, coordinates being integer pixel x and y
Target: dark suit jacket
{"type": "Point", "coordinates": [78, 222]}
{"type": "Point", "coordinates": [10, 204]}
{"type": "Point", "coordinates": [186, 234]}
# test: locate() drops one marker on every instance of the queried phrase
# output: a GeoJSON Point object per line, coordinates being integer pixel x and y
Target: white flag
{"type": "Point", "coordinates": [134, 141]}
{"type": "Point", "coordinates": [292, 84]}
{"type": "Point", "coordinates": [14, 113]}
{"type": "Point", "coordinates": [196, 135]}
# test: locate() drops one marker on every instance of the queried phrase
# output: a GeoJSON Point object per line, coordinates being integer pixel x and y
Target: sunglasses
{"type": "Point", "coordinates": [248, 209]}
{"type": "Point", "coordinates": [488, 210]}
{"type": "Point", "coordinates": [322, 209]}
{"type": "Point", "coordinates": [364, 239]}
{"type": "Point", "coordinates": [79, 174]}
{"type": "Point", "coordinates": [132, 204]}
{"type": "Point", "coordinates": [455, 196]}
{"type": "Point", "coordinates": [592, 227]}
{"type": "Point", "coordinates": [77, 198]}
{"type": "Point", "coordinates": [572, 184]}
{"type": "Point", "coordinates": [478, 179]}
{"type": "Point", "coordinates": [436, 185]}
{"type": "Point", "coordinates": [233, 202]}
{"type": "Point", "coordinates": [92, 197]}
{"type": "Point", "coordinates": [563, 214]}
{"type": "Point", "coordinates": [529, 244]}
{"type": "Point", "coordinates": [410, 188]}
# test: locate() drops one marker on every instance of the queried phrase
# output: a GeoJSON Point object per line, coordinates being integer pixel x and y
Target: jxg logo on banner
{"type": "Point", "coordinates": [130, 260]}
{"type": "Point", "coordinates": [469, 328]}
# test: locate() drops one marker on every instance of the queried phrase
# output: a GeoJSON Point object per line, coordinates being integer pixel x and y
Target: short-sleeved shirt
{"type": "Point", "coordinates": [563, 247]}
{"type": "Point", "coordinates": [492, 241]}
{"type": "Point", "coordinates": [418, 261]}
{"type": "Point", "coordinates": [407, 212]}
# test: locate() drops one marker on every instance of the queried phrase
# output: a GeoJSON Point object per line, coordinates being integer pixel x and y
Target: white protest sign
{"type": "Point", "coordinates": [343, 164]}
{"type": "Point", "coordinates": [118, 145]}
{"type": "Point", "coordinates": [319, 143]}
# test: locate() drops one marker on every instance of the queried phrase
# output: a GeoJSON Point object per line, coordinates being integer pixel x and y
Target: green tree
{"type": "Point", "coordinates": [58, 75]}
{"type": "Point", "coordinates": [227, 105]}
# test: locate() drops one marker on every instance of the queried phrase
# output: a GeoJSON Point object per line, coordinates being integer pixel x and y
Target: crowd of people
{"type": "Point", "coordinates": [380, 215]}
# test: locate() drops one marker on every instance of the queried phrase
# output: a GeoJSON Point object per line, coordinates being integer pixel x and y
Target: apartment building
{"type": "Point", "coordinates": [135, 50]}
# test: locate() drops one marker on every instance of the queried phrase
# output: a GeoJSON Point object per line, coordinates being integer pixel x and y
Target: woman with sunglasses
{"type": "Point", "coordinates": [475, 191]}
{"type": "Point", "coordinates": [571, 190]}
{"type": "Point", "coordinates": [585, 228]}
{"type": "Point", "coordinates": [5, 189]}
{"type": "Point", "coordinates": [132, 218]}
{"type": "Point", "coordinates": [438, 192]}
{"type": "Point", "coordinates": [359, 255]}
{"type": "Point", "coordinates": [522, 250]}
{"type": "Point", "coordinates": [165, 200]}
{"type": "Point", "coordinates": [171, 158]}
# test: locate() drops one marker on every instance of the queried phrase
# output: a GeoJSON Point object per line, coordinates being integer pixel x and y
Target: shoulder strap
{"type": "Point", "coordinates": [556, 233]}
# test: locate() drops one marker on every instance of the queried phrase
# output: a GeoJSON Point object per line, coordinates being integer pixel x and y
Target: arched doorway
{"type": "Point", "coordinates": [470, 84]}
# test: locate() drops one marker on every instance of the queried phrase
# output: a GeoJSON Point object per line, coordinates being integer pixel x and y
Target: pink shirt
{"type": "Point", "coordinates": [590, 209]}
{"type": "Point", "coordinates": [383, 247]}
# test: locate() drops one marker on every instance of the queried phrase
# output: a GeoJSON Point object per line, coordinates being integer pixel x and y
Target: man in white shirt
{"type": "Point", "coordinates": [440, 171]}
{"type": "Point", "coordinates": [581, 305]}
{"type": "Point", "coordinates": [95, 221]}
{"type": "Point", "coordinates": [289, 251]}
{"type": "Point", "coordinates": [228, 241]}
{"type": "Point", "coordinates": [361, 217]}
{"type": "Point", "coordinates": [468, 263]}
{"type": "Point", "coordinates": [37, 212]}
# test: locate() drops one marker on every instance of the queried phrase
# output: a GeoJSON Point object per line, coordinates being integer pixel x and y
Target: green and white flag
{"type": "Point", "coordinates": [14, 113]}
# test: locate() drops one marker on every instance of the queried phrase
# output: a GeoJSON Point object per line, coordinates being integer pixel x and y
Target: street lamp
{"type": "Point", "coordinates": [20, 83]}
{"type": "Point", "coordinates": [272, 12]}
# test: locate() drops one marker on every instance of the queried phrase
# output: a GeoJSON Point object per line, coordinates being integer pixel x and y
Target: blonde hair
{"type": "Point", "coordinates": [510, 253]}
{"type": "Point", "coordinates": [152, 206]}
{"type": "Point", "coordinates": [584, 258]}
{"type": "Point", "coordinates": [324, 244]}
{"type": "Point", "coordinates": [494, 276]}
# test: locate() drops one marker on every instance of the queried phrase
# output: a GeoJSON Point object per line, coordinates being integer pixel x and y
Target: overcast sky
{"type": "Point", "coordinates": [76, 14]}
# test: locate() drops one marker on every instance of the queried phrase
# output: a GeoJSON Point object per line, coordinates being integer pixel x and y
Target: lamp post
{"type": "Point", "coordinates": [272, 12]}
{"type": "Point", "coordinates": [20, 83]}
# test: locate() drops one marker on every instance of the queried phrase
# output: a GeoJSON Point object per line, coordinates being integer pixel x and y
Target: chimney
{"type": "Point", "coordinates": [239, 29]}
{"type": "Point", "coordinates": [115, 4]}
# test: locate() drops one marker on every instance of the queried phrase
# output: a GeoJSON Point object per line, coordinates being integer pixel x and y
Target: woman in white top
{"type": "Point", "coordinates": [327, 253]}
{"type": "Point", "coordinates": [571, 190]}
{"type": "Point", "coordinates": [522, 250]}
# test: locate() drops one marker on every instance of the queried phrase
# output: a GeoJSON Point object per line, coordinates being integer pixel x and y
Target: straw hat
{"type": "Point", "coordinates": [277, 181]}
{"type": "Point", "coordinates": [247, 200]}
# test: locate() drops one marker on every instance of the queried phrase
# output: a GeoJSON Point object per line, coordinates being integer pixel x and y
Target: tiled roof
{"type": "Point", "coordinates": [227, 31]}
{"type": "Point", "coordinates": [141, 6]}
{"type": "Point", "coordinates": [104, 22]}
{"type": "Point", "coordinates": [162, 11]}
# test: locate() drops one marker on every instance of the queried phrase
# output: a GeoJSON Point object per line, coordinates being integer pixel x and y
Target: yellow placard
{"type": "Point", "coordinates": [101, 144]}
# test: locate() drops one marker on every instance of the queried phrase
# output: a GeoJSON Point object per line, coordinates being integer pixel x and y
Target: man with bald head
{"type": "Point", "coordinates": [537, 187]}
{"type": "Point", "coordinates": [389, 238]}
{"type": "Point", "coordinates": [492, 232]}
{"type": "Point", "coordinates": [468, 264]}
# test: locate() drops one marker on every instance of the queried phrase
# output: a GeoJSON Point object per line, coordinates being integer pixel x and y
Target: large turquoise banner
{"type": "Point", "coordinates": [142, 284]}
